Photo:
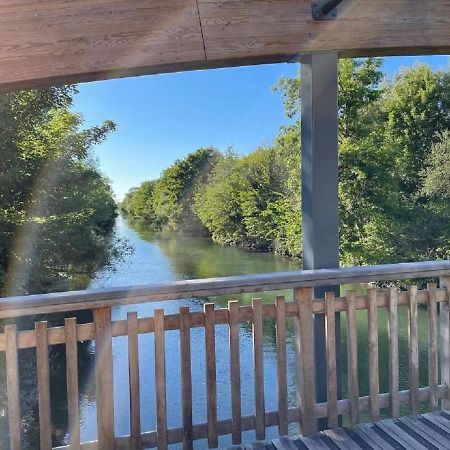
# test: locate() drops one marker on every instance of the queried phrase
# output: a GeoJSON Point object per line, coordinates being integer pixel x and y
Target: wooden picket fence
{"type": "Point", "coordinates": [303, 309]}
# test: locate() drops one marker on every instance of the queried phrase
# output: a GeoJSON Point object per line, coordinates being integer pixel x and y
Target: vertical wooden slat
{"type": "Point", "coordinates": [43, 377]}
{"type": "Point", "coordinates": [104, 378]}
{"type": "Point", "coordinates": [444, 328]}
{"type": "Point", "coordinates": [305, 345]}
{"type": "Point", "coordinates": [73, 411]}
{"type": "Point", "coordinates": [413, 350]}
{"type": "Point", "coordinates": [394, 399]}
{"type": "Point", "coordinates": [258, 354]}
{"type": "Point", "coordinates": [280, 323]}
{"type": "Point", "coordinates": [330, 314]}
{"type": "Point", "coordinates": [211, 383]}
{"type": "Point", "coordinates": [235, 372]}
{"type": "Point", "coordinates": [432, 346]}
{"type": "Point", "coordinates": [160, 376]}
{"type": "Point", "coordinates": [186, 376]}
{"type": "Point", "coordinates": [12, 385]}
{"type": "Point", "coordinates": [133, 371]}
{"type": "Point", "coordinates": [374, 388]}
{"type": "Point", "coordinates": [352, 350]}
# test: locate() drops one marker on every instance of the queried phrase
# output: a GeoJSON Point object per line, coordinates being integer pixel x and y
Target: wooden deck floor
{"type": "Point", "coordinates": [427, 431]}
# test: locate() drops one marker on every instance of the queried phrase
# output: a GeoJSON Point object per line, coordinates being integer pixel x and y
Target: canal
{"type": "Point", "coordinates": [160, 257]}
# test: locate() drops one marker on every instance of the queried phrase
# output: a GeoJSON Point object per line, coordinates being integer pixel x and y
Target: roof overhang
{"type": "Point", "coordinates": [45, 42]}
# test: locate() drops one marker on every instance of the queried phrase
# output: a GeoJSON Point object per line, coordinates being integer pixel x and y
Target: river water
{"type": "Point", "coordinates": [160, 257]}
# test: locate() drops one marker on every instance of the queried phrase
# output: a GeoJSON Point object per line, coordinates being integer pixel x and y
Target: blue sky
{"type": "Point", "coordinates": [164, 117]}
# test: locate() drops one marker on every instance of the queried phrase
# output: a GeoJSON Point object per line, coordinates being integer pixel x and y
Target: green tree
{"type": "Point", "coordinates": [246, 201]}
{"type": "Point", "coordinates": [167, 202]}
{"type": "Point", "coordinates": [436, 188]}
{"type": "Point", "coordinates": [217, 205]}
{"type": "Point", "coordinates": [139, 201]}
{"type": "Point", "coordinates": [436, 173]}
{"type": "Point", "coordinates": [175, 189]}
{"type": "Point", "coordinates": [384, 215]}
{"type": "Point", "coordinates": [416, 106]}
{"type": "Point", "coordinates": [57, 210]}
{"type": "Point", "coordinates": [359, 91]}
{"type": "Point", "coordinates": [359, 86]}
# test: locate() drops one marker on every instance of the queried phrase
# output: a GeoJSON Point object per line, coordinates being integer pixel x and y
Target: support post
{"type": "Point", "coordinates": [319, 175]}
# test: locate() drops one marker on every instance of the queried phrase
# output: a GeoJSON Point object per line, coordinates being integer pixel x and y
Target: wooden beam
{"type": "Point", "coordinates": [45, 42]}
{"type": "Point", "coordinates": [246, 28]}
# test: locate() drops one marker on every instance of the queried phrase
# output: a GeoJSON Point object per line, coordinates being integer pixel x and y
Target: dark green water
{"type": "Point", "coordinates": [160, 257]}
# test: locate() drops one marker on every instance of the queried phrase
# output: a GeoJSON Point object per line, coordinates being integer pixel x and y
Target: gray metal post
{"type": "Point", "coordinates": [320, 222]}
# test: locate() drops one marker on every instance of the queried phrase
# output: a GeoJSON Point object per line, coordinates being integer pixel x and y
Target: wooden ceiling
{"type": "Point", "coordinates": [44, 42]}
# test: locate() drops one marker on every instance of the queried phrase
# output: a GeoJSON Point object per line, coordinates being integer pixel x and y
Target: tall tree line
{"type": "Point", "coordinates": [394, 173]}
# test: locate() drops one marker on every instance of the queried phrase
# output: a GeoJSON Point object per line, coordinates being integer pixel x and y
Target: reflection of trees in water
{"type": "Point", "coordinates": [383, 350]}
{"type": "Point", "coordinates": [363, 353]}
{"type": "Point", "coordinates": [58, 391]}
{"type": "Point", "coordinates": [198, 257]}
{"type": "Point", "coordinates": [145, 230]}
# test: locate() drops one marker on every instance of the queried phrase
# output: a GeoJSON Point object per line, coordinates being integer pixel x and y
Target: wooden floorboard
{"type": "Point", "coordinates": [416, 426]}
{"type": "Point", "coordinates": [429, 431]}
{"type": "Point", "coordinates": [366, 441]}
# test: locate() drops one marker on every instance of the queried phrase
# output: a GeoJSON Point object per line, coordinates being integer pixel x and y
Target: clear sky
{"type": "Point", "coordinates": [164, 117]}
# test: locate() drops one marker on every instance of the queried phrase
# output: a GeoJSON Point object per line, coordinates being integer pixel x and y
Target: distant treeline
{"type": "Point", "coordinates": [394, 175]}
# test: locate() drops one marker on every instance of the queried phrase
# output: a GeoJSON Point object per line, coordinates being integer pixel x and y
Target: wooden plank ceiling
{"type": "Point", "coordinates": [45, 42]}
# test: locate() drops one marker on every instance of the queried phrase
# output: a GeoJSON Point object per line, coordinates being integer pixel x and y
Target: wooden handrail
{"type": "Point", "coordinates": [90, 299]}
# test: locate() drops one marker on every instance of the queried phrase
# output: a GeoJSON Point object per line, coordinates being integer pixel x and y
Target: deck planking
{"type": "Point", "coordinates": [425, 431]}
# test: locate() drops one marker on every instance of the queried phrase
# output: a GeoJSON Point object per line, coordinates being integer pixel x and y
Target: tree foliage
{"type": "Point", "coordinates": [247, 201]}
{"type": "Point", "coordinates": [174, 190]}
{"type": "Point", "coordinates": [167, 202]}
{"type": "Point", "coordinates": [57, 210]}
{"type": "Point", "coordinates": [436, 174]}
{"type": "Point", "coordinates": [394, 220]}
{"type": "Point", "coordinates": [139, 202]}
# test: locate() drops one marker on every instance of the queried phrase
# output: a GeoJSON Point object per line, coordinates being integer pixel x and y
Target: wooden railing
{"type": "Point", "coordinates": [303, 308]}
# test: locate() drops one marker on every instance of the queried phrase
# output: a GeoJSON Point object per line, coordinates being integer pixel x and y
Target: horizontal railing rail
{"type": "Point", "coordinates": [86, 331]}
{"type": "Point", "coordinates": [303, 309]}
{"type": "Point", "coordinates": [95, 298]}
